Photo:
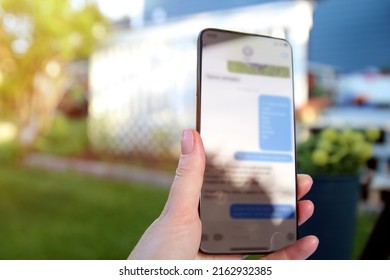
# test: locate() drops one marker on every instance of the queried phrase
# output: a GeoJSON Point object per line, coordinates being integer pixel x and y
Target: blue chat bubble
{"type": "Point", "coordinates": [275, 123]}
{"type": "Point", "coordinates": [253, 156]}
{"type": "Point", "coordinates": [262, 211]}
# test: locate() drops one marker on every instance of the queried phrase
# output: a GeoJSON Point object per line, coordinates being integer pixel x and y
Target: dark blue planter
{"type": "Point", "coordinates": [335, 199]}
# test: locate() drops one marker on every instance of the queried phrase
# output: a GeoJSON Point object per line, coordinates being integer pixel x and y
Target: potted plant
{"type": "Point", "coordinates": [335, 159]}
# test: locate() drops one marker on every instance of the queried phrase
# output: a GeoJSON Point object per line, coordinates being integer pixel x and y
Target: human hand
{"type": "Point", "coordinates": [176, 234]}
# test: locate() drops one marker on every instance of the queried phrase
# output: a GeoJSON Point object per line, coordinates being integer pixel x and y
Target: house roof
{"type": "Point", "coordinates": [174, 8]}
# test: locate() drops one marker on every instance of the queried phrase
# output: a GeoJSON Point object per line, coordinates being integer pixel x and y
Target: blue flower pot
{"type": "Point", "coordinates": [335, 198]}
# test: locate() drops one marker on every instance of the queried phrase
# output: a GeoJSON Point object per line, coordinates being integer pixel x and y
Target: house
{"type": "Point", "coordinates": [142, 81]}
{"type": "Point", "coordinates": [349, 35]}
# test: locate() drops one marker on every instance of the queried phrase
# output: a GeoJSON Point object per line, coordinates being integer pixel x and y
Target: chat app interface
{"type": "Point", "coordinates": [248, 198]}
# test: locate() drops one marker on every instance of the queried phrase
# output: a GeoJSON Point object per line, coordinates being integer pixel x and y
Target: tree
{"type": "Point", "coordinates": [38, 39]}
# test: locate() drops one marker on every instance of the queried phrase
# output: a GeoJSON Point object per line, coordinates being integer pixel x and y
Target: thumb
{"type": "Point", "coordinates": [186, 187]}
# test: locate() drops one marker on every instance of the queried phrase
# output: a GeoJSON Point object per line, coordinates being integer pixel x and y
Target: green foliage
{"type": "Point", "coordinates": [336, 152]}
{"type": "Point", "coordinates": [10, 152]}
{"type": "Point", "coordinates": [34, 33]}
{"type": "Point", "coordinates": [65, 137]}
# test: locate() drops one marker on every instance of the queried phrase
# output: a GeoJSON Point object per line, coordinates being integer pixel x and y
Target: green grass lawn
{"type": "Point", "coordinates": [364, 227]}
{"type": "Point", "coordinates": [49, 215]}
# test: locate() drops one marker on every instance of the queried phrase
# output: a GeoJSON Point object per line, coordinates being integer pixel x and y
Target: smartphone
{"type": "Point", "coordinates": [245, 115]}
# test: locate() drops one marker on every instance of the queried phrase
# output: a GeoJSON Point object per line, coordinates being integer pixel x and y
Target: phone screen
{"type": "Point", "coordinates": [245, 115]}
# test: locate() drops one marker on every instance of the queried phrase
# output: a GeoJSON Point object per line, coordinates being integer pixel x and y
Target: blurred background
{"type": "Point", "coordinates": [94, 95]}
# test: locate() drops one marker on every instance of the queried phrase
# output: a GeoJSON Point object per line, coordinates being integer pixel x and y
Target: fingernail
{"type": "Point", "coordinates": [187, 142]}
